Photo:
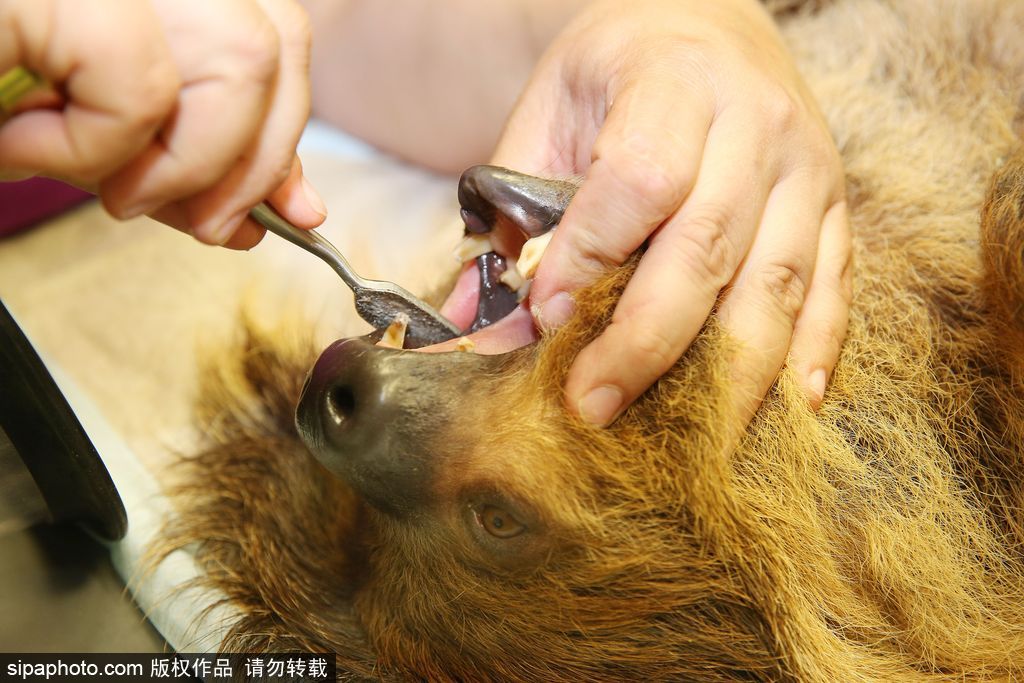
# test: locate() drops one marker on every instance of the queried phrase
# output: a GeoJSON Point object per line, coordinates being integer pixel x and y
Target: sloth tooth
{"type": "Point", "coordinates": [466, 345]}
{"type": "Point", "coordinates": [533, 250]}
{"type": "Point", "coordinates": [511, 278]}
{"type": "Point", "coordinates": [394, 336]}
{"type": "Point", "coordinates": [472, 246]}
{"type": "Point", "coordinates": [516, 282]}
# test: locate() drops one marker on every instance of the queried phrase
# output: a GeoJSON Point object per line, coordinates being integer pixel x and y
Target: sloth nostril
{"type": "Point", "coordinates": [341, 402]}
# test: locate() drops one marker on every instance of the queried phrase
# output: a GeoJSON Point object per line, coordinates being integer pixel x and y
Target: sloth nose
{"type": "Point", "coordinates": [340, 405]}
{"type": "Point", "coordinates": [352, 405]}
{"type": "Point", "coordinates": [343, 408]}
{"type": "Point", "coordinates": [379, 418]}
{"type": "Point", "coordinates": [368, 414]}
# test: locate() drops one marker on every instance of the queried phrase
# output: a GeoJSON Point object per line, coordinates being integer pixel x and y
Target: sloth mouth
{"type": "Point", "coordinates": [504, 213]}
{"type": "Point", "coordinates": [487, 310]}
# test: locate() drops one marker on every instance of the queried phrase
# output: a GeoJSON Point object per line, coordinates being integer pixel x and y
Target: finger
{"type": "Point", "coordinates": [216, 212]}
{"type": "Point", "coordinates": [821, 325]}
{"type": "Point", "coordinates": [645, 162]}
{"type": "Point", "coordinates": [768, 294]}
{"type": "Point", "coordinates": [291, 197]}
{"type": "Point", "coordinates": [229, 80]}
{"type": "Point", "coordinates": [538, 135]}
{"type": "Point", "coordinates": [116, 98]}
{"type": "Point", "coordinates": [297, 199]}
{"type": "Point", "coordinates": [541, 137]}
{"type": "Point", "coordinates": [678, 279]}
{"type": "Point", "coordinates": [247, 233]}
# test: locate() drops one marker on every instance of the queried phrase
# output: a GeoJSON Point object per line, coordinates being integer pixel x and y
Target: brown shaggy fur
{"type": "Point", "coordinates": [878, 539]}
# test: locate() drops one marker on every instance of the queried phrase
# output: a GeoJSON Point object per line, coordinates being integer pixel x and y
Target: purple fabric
{"type": "Point", "coordinates": [27, 202]}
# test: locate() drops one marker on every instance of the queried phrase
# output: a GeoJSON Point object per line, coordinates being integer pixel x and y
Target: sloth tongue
{"type": "Point", "coordinates": [486, 309]}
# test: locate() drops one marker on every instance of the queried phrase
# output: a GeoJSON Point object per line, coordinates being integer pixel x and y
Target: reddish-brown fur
{"type": "Point", "coordinates": [878, 539]}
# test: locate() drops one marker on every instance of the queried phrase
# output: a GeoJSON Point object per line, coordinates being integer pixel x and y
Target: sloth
{"type": "Point", "coordinates": [442, 517]}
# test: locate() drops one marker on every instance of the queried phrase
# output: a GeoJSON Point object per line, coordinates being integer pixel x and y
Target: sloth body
{"type": "Point", "coordinates": [877, 539]}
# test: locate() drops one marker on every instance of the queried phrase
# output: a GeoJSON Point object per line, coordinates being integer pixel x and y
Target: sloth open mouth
{"type": "Point", "coordinates": [504, 212]}
{"type": "Point", "coordinates": [487, 309]}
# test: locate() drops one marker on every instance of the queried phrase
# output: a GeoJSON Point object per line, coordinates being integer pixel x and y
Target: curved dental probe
{"type": "Point", "coordinates": [377, 302]}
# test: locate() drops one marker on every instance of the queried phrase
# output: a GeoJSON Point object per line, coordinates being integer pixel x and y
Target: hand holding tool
{"type": "Point", "coordinates": [377, 302]}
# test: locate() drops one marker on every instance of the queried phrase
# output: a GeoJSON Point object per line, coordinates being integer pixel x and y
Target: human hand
{"type": "Point", "coordinates": [695, 134]}
{"type": "Point", "coordinates": [187, 110]}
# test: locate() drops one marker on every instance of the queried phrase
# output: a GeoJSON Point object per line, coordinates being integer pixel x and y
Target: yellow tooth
{"type": "Point", "coordinates": [472, 246]}
{"type": "Point", "coordinates": [394, 336]}
{"type": "Point", "coordinates": [524, 291]}
{"type": "Point", "coordinates": [511, 278]}
{"type": "Point", "coordinates": [465, 344]}
{"type": "Point", "coordinates": [533, 250]}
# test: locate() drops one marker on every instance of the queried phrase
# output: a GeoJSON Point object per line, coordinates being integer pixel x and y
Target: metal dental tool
{"type": "Point", "coordinates": [377, 302]}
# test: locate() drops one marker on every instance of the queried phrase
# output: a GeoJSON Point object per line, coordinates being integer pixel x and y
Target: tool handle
{"type": "Point", "coordinates": [309, 240]}
{"type": "Point", "coordinates": [15, 84]}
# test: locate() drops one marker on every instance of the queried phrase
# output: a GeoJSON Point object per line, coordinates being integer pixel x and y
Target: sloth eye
{"type": "Point", "coordinates": [499, 523]}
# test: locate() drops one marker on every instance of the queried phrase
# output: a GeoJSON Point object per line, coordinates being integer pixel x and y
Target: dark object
{"type": "Point", "coordinates": [490, 195]}
{"type": "Point", "coordinates": [496, 300]}
{"type": "Point", "coordinates": [38, 427]}
{"type": "Point", "coordinates": [27, 202]}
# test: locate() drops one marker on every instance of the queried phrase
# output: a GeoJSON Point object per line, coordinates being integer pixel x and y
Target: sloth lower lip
{"type": "Point", "coordinates": [511, 332]}
{"type": "Point", "coordinates": [486, 309]}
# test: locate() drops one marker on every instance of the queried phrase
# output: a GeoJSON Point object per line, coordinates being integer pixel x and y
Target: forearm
{"type": "Point", "coordinates": [428, 80]}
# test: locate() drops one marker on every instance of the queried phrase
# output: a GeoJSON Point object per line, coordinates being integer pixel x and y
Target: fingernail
{"type": "Point", "coordinates": [816, 385]}
{"type": "Point", "coordinates": [138, 210]}
{"type": "Point", "coordinates": [314, 199]}
{"type": "Point", "coordinates": [600, 406]}
{"type": "Point", "coordinates": [220, 234]}
{"type": "Point", "coordinates": [554, 312]}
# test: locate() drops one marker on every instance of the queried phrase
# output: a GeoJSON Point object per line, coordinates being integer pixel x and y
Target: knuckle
{"type": "Point", "coordinates": [838, 269]}
{"type": "Point", "coordinates": [90, 164]}
{"type": "Point", "coordinates": [651, 345]}
{"type": "Point", "coordinates": [591, 254]}
{"type": "Point", "coordinates": [259, 54]}
{"type": "Point", "coordinates": [646, 174]}
{"type": "Point", "coordinates": [297, 25]}
{"type": "Point", "coordinates": [817, 343]}
{"type": "Point", "coordinates": [784, 287]}
{"type": "Point", "coordinates": [705, 245]}
{"type": "Point", "coordinates": [115, 203]}
{"type": "Point", "coordinates": [154, 97]}
{"type": "Point", "coordinates": [826, 339]}
{"type": "Point", "coordinates": [750, 369]}
{"type": "Point", "coordinates": [844, 283]}
{"type": "Point", "coordinates": [782, 109]}
{"type": "Point", "coordinates": [824, 152]}
{"type": "Point", "coordinates": [820, 166]}
{"type": "Point", "coordinates": [279, 173]}
{"type": "Point", "coordinates": [262, 178]}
